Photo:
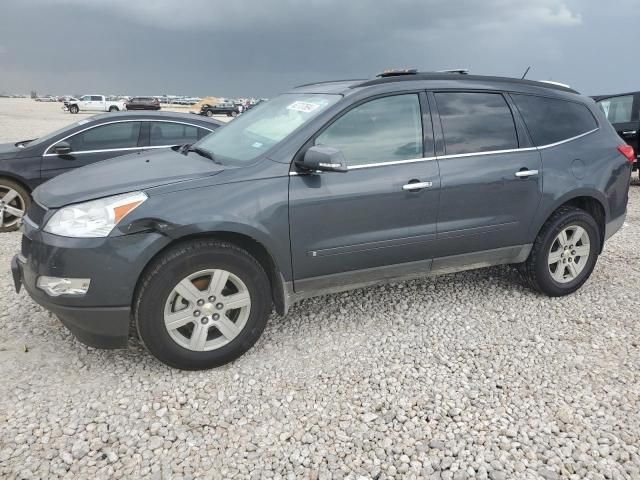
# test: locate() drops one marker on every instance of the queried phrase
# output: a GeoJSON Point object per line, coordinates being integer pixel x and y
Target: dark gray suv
{"type": "Point", "coordinates": [331, 186]}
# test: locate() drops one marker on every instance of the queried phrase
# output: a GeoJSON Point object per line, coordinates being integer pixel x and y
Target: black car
{"type": "Point", "coordinates": [623, 111]}
{"type": "Point", "coordinates": [26, 164]}
{"type": "Point", "coordinates": [228, 109]}
{"type": "Point", "coordinates": [331, 186]}
{"type": "Point", "coordinates": [143, 103]}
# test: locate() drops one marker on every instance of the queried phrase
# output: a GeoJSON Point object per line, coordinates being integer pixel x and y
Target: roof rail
{"type": "Point", "coordinates": [551, 82]}
{"type": "Point", "coordinates": [466, 77]}
{"type": "Point", "coordinates": [331, 81]}
{"type": "Point", "coordinates": [461, 71]}
{"type": "Point", "coordinates": [394, 72]}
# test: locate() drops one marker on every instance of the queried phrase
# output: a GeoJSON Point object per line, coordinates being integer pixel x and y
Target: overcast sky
{"type": "Point", "coordinates": [262, 47]}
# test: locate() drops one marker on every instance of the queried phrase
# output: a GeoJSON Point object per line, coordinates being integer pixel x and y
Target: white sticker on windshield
{"type": "Point", "coordinates": [305, 107]}
{"type": "Point", "coordinates": [256, 144]}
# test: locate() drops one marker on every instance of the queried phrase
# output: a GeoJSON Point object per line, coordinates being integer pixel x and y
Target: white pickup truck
{"type": "Point", "coordinates": [93, 103]}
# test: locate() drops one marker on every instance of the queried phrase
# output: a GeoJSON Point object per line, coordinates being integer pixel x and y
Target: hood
{"type": "Point", "coordinates": [128, 173]}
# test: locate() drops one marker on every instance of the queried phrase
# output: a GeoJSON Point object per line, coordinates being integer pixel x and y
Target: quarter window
{"type": "Point", "coordinates": [551, 120]}
{"type": "Point", "coordinates": [106, 137]}
{"type": "Point", "coordinates": [382, 130]}
{"type": "Point", "coordinates": [617, 109]}
{"type": "Point", "coordinates": [168, 133]}
{"type": "Point", "coordinates": [475, 122]}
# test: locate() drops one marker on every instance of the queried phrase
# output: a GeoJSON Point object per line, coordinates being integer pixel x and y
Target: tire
{"type": "Point", "coordinates": [557, 279]}
{"type": "Point", "coordinates": [234, 114]}
{"type": "Point", "coordinates": [73, 109]}
{"type": "Point", "coordinates": [190, 264]}
{"type": "Point", "coordinates": [18, 200]}
{"type": "Point", "coordinates": [114, 109]}
{"type": "Point", "coordinates": [209, 113]}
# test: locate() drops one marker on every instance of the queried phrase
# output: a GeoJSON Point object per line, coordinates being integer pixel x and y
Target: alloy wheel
{"type": "Point", "coordinates": [569, 254]}
{"type": "Point", "coordinates": [12, 207]}
{"type": "Point", "coordinates": [207, 310]}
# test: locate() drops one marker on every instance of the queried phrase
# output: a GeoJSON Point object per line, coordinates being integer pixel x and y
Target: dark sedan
{"type": "Point", "coordinates": [26, 164]}
{"type": "Point", "coordinates": [143, 103]}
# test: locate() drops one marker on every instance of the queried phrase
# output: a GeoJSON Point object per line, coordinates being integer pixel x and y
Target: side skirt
{"type": "Point", "coordinates": [344, 281]}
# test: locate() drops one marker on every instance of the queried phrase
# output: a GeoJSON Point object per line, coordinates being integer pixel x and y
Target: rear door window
{"type": "Point", "coordinates": [170, 133]}
{"type": "Point", "coordinates": [106, 137]}
{"type": "Point", "coordinates": [551, 120]}
{"type": "Point", "coordinates": [617, 109]}
{"type": "Point", "coordinates": [474, 122]}
{"type": "Point", "coordinates": [382, 130]}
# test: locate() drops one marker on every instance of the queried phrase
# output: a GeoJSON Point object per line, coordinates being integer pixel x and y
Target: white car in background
{"type": "Point", "coordinates": [94, 103]}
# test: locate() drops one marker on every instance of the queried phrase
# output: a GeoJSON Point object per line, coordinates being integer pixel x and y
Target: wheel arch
{"type": "Point", "coordinates": [244, 241]}
{"type": "Point", "coordinates": [20, 181]}
{"type": "Point", "coordinates": [592, 202]}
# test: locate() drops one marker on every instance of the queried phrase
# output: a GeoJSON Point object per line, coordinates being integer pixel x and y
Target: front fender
{"type": "Point", "coordinates": [257, 209]}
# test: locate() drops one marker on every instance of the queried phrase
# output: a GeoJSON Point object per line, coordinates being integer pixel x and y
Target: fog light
{"type": "Point", "coordinates": [55, 286]}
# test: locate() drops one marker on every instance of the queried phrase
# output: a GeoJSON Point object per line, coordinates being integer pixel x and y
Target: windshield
{"type": "Point", "coordinates": [256, 131]}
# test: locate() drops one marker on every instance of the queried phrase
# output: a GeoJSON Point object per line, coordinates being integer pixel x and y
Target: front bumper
{"type": "Point", "coordinates": [101, 318]}
{"type": "Point", "coordinates": [99, 327]}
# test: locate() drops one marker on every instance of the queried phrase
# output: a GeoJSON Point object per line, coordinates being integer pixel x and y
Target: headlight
{"type": "Point", "coordinates": [95, 218]}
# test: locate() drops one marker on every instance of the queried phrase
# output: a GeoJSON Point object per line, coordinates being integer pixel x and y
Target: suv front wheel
{"type": "Point", "coordinates": [564, 253]}
{"type": "Point", "coordinates": [202, 304]}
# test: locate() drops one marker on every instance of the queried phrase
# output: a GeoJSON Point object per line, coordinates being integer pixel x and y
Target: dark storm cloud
{"type": "Point", "coordinates": [258, 47]}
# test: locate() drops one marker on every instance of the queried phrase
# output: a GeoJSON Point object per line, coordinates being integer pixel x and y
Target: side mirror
{"type": "Point", "coordinates": [62, 148]}
{"type": "Point", "coordinates": [324, 159]}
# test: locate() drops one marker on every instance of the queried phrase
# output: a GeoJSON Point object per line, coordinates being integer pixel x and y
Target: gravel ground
{"type": "Point", "coordinates": [468, 375]}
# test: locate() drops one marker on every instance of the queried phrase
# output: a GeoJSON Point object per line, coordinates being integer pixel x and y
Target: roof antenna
{"type": "Point", "coordinates": [525, 72]}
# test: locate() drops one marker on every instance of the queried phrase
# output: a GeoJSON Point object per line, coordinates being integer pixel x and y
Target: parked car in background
{"type": "Point", "coordinates": [329, 187]}
{"type": "Point", "coordinates": [26, 164]}
{"type": "Point", "coordinates": [93, 103]}
{"type": "Point", "coordinates": [48, 98]}
{"type": "Point", "coordinates": [623, 111]}
{"type": "Point", "coordinates": [143, 103]}
{"type": "Point", "coordinates": [228, 109]}
{"type": "Point", "coordinates": [256, 103]}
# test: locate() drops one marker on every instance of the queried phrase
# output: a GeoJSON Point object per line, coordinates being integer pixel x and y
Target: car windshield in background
{"type": "Point", "coordinates": [256, 131]}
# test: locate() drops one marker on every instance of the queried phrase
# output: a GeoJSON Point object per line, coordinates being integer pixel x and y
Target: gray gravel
{"type": "Point", "coordinates": [461, 376]}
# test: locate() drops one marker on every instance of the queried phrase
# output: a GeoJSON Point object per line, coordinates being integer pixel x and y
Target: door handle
{"type": "Point", "coordinates": [526, 173]}
{"type": "Point", "coordinates": [629, 132]}
{"type": "Point", "coordinates": [416, 186]}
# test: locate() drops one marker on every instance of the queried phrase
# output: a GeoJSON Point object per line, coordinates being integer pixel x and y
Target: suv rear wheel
{"type": "Point", "coordinates": [202, 304]}
{"type": "Point", "coordinates": [564, 253]}
{"type": "Point", "coordinates": [73, 109]}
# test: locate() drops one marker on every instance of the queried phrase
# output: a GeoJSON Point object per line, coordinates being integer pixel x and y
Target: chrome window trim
{"type": "Point", "coordinates": [462, 155]}
{"type": "Point", "coordinates": [394, 162]}
{"type": "Point", "coordinates": [542, 147]}
{"type": "Point", "coordinates": [488, 152]}
{"type": "Point", "coordinates": [46, 154]}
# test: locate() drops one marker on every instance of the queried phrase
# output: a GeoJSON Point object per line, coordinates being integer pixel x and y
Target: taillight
{"type": "Point", "coordinates": [627, 151]}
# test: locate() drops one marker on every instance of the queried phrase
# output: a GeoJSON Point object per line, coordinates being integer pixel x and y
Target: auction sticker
{"type": "Point", "coordinates": [305, 107]}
